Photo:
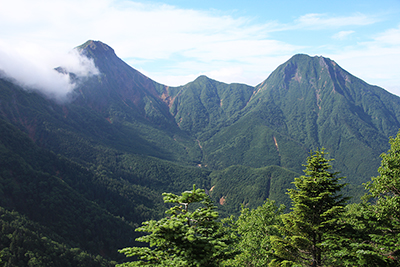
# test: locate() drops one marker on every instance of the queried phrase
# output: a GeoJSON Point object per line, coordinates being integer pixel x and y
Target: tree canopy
{"type": "Point", "coordinates": [317, 208]}
{"type": "Point", "coordinates": [385, 191]}
{"type": "Point", "coordinates": [255, 228]}
{"type": "Point", "coordinates": [320, 230]}
{"type": "Point", "coordinates": [189, 235]}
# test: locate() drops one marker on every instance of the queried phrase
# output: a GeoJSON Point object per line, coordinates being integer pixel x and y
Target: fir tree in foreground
{"type": "Point", "coordinates": [188, 236]}
{"type": "Point", "coordinates": [254, 229]}
{"type": "Point", "coordinates": [375, 222]}
{"type": "Point", "coordinates": [385, 189]}
{"type": "Point", "coordinates": [315, 217]}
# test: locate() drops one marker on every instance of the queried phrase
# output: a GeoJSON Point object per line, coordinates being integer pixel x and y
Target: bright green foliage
{"type": "Point", "coordinates": [385, 188]}
{"type": "Point", "coordinates": [255, 228]}
{"type": "Point", "coordinates": [186, 237]}
{"type": "Point", "coordinates": [314, 220]}
{"type": "Point", "coordinates": [357, 246]}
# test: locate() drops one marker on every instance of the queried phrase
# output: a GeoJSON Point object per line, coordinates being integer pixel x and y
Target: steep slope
{"type": "Point", "coordinates": [118, 83]}
{"type": "Point", "coordinates": [136, 106]}
{"type": "Point", "coordinates": [65, 177]}
{"type": "Point", "coordinates": [306, 103]}
{"type": "Point", "coordinates": [57, 194]}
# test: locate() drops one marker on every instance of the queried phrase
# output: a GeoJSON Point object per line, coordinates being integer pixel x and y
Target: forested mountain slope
{"type": "Point", "coordinates": [65, 173]}
{"type": "Point", "coordinates": [309, 103]}
{"type": "Point", "coordinates": [89, 170]}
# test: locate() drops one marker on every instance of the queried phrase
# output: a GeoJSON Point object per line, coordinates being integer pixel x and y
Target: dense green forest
{"type": "Point", "coordinates": [321, 229]}
{"type": "Point", "coordinates": [24, 243]}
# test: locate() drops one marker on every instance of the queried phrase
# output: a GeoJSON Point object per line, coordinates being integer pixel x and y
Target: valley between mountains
{"type": "Point", "coordinates": [78, 176]}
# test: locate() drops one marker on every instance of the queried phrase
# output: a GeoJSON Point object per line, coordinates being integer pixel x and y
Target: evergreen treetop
{"type": "Point", "coordinates": [317, 206]}
{"type": "Point", "coordinates": [187, 236]}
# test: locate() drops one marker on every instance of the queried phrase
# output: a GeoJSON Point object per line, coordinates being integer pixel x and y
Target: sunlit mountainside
{"type": "Point", "coordinates": [78, 176]}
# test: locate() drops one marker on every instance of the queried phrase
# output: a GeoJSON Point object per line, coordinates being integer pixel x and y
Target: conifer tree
{"type": "Point", "coordinates": [255, 228]}
{"type": "Point", "coordinates": [359, 246]}
{"type": "Point", "coordinates": [317, 206]}
{"type": "Point", "coordinates": [188, 236]}
{"type": "Point", "coordinates": [385, 189]}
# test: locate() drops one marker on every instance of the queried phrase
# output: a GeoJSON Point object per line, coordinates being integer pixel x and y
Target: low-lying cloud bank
{"type": "Point", "coordinates": [36, 71]}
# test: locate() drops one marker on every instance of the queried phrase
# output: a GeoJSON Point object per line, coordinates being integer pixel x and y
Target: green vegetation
{"type": "Point", "coordinates": [188, 236]}
{"type": "Point", "coordinates": [314, 220]}
{"type": "Point", "coordinates": [255, 228]}
{"type": "Point", "coordinates": [321, 229]}
{"type": "Point", "coordinates": [85, 173]}
{"type": "Point", "coordinates": [256, 185]}
{"type": "Point", "coordinates": [385, 189]}
{"type": "Point", "coordinates": [23, 243]}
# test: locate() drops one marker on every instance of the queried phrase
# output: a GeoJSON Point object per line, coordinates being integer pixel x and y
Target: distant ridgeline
{"type": "Point", "coordinates": [78, 176]}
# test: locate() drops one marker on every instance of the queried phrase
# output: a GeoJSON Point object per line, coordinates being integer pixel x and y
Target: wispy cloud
{"type": "Point", "coordinates": [318, 21]}
{"type": "Point", "coordinates": [375, 60]}
{"type": "Point", "coordinates": [342, 35]}
{"type": "Point", "coordinates": [389, 37]}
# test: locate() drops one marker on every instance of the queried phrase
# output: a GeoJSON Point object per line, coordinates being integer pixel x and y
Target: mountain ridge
{"type": "Point", "coordinates": [124, 139]}
{"type": "Point", "coordinates": [313, 105]}
{"type": "Point", "coordinates": [301, 102]}
{"type": "Point", "coordinates": [308, 102]}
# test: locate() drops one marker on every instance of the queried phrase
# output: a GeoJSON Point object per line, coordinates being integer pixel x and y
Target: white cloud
{"type": "Point", "coordinates": [143, 32]}
{"type": "Point", "coordinates": [376, 61]}
{"type": "Point", "coordinates": [318, 21]}
{"type": "Point", "coordinates": [187, 42]}
{"type": "Point", "coordinates": [36, 72]}
{"type": "Point", "coordinates": [251, 73]}
{"type": "Point", "coordinates": [389, 37]}
{"type": "Point", "coordinates": [342, 35]}
{"type": "Point", "coordinates": [78, 64]}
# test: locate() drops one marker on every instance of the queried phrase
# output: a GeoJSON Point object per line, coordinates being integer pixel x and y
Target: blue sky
{"type": "Point", "coordinates": [174, 41]}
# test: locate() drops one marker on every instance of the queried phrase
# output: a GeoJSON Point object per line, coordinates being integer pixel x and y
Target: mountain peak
{"type": "Point", "coordinates": [305, 57]}
{"type": "Point", "coordinates": [202, 78]}
{"type": "Point", "coordinates": [302, 67]}
{"type": "Point", "coordinates": [92, 48]}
